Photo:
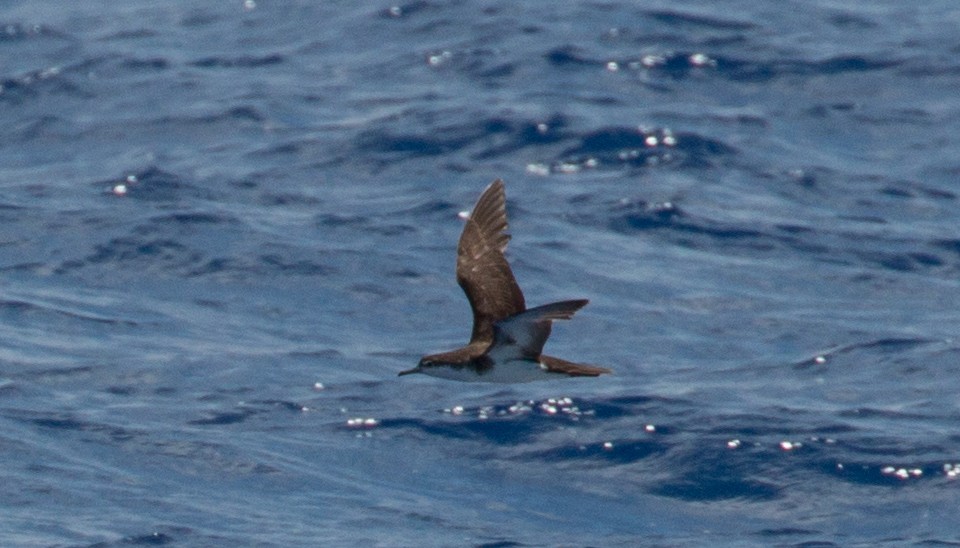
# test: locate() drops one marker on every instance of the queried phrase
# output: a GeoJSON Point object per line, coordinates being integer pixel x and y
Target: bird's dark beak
{"type": "Point", "coordinates": [409, 371]}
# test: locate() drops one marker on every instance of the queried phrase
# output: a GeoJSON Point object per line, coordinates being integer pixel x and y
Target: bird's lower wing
{"type": "Point", "coordinates": [556, 365]}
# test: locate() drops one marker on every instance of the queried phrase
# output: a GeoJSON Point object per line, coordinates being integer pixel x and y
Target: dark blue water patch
{"type": "Point", "coordinates": [29, 86]}
{"type": "Point", "coordinates": [915, 475]}
{"type": "Point", "coordinates": [178, 243]}
{"type": "Point", "coordinates": [716, 472]}
{"type": "Point", "coordinates": [17, 310]}
{"type": "Point", "coordinates": [152, 539]}
{"type": "Point", "coordinates": [908, 261]}
{"type": "Point", "coordinates": [951, 245]}
{"type": "Point", "coordinates": [38, 127]}
{"type": "Point", "coordinates": [789, 423]}
{"type": "Point", "coordinates": [122, 391]}
{"type": "Point", "coordinates": [503, 424]}
{"type": "Point", "coordinates": [500, 431]}
{"type": "Point", "coordinates": [882, 346]}
{"type": "Point", "coordinates": [166, 535]}
{"type": "Point", "coordinates": [246, 411]}
{"type": "Point", "coordinates": [326, 354]}
{"type": "Point", "coordinates": [640, 215]}
{"type": "Point", "coordinates": [244, 61]}
{"type": "Point", "coordinates": [794, 537]}
{"type": "Point", "coordinates": [26, 32]}
{"type": "Point", "coordinates": [834, 245]}
{"type": "Point", "coordinates": [633, 147]}
{"type": "Point", "coordinates": [65, 80]}
{"type": "Point", "coordinates": [32, 372]}
{"type": "Point", "coordinates": [865, 458]}
{"type": "Point", "coordinates": [850, 20]}
{"type": "Point", "coordinates": [690, 466]}
{"type": "Point", "coordinates": [491, 136]}
{"type": "Point", "coordinates": [570, 55]}
{"type": "Point", "coordinates": [560, 146]}
{"type": "Point", "coordinates": [188, 218]}
{"type": "Point", "coordinates": [931, 70]}
{"type": "Point", "coordinates": [887, 415]}
{"type": "Point", "coordinates": [71, 423]}
{"type": "Point", "coordinates": [717, 485]}
{"type": "Point", "coordinates": [38, 44]}
{"type": "Point", "coordinates": [614, 139]}
{"type": "Point", "coordinates": [153, 184]}
{"type": "Point", "coordinates": [286, 265]}
{"type": "Point", "coordinates": [149, 64]}
{"type": "Point", "coordinates": [285, 199]}
{"type": "Point", "coordinates": [240, 113]}
{"type": "Point", "coordinates": [432, 208]}
{"type": "Point", "coordinates": [513, 135]}
{"type": "Point", "coordinates": [785, 531]}
{"type": "Point", "coordinates": [485, 66]}
{"type": "Point", "coordinates": [131, 35]}
{"type": "Point", "coordinates": [364, 223]}
{"type": "Point", "coordinates": [710, 471]}
{"type": "Point", "coordinates": [903, 262]}
{"type": "Point", "coordinates": [440, 141]}
{"type": "Point", "coordinates": [827, 110]}
{"type": "Point", "coordinates": [59, 423]}
{"type": "Point", "coordinates": [618, 451]}
{"type": "Point", "coordinates": [222, 418]}
{"type": "Point", "coordinates": [680, 65]}
{"type": "Point", "coordinates": [684, 20]}
{"type": "Point", "coordinates": [673, 66]}
{"type": "Point", "coordinates": [763, 71]}
{"type": "Point", "coordinates": [622, 406]}
{"type": "Point", "coordinates": [501, 544]}
{"type": "Point", "coordinates": [276, 150]}
{"type": "Point", "coordinates": [9, 209]}
{"type": "Point", "coordinates": [166, 254]}
{"type": "Point", "coordinates": [720, 457]}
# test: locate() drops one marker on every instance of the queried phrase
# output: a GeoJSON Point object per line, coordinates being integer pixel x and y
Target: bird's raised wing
{"type": "Point", "coordinates": [482, 269]}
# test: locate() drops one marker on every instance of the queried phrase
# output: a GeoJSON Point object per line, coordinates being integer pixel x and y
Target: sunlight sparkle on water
{"type": "Point", "coordinates": [902, 473]}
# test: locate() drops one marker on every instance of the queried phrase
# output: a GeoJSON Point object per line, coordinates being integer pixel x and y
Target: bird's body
{"type": "Point", "coordinates": [507, 338]}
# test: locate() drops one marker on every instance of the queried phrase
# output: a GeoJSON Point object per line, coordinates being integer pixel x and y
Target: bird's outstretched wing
{"type": "Point", "coordinates": [570, 369]}
{"type": "Point", "coordinates": [521, 336]}
{"type": "Point", "coordinates": [482, 269]}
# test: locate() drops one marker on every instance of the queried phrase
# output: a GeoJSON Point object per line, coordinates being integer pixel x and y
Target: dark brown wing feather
{"type": "Point", "coordinates": [482, 269]}
{"type": "Point", "coordinates": [563, 367]}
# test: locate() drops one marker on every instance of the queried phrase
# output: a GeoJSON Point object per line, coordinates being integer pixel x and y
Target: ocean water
{"type": "Point", "coordinates": [226, 226]}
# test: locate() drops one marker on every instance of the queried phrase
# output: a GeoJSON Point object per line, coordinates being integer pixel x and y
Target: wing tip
{"type": "Point", "coordinates": [495, 188]}
{"type": "Point", "coordinates": [560, 310]}
{"type": "Point", "coordinates": [571, 369]}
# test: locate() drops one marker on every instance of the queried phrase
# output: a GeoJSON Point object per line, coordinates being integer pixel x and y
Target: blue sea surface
{"type": "Point", "coordinates": [226, 226]}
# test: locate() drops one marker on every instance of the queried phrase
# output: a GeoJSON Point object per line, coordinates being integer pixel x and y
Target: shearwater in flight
{"type": "Point", "coordinates": [508, 337]}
